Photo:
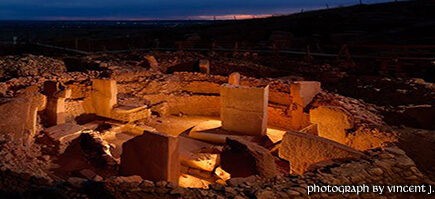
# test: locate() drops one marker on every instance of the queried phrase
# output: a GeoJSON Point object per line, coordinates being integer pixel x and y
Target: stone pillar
{"type": "Point", "coordinates": [103, 102]}
{"type": "Point", "coordinates": [234, 79]}
{"type": "Point", "coordinates": [104, 96]}
{"type": "Point", "coordinates": [302, 93]}
{"type": "Point", "coordinates": [154, 65]}
{"type": "Point", "coordinates": [20, 118]}
{"type": "Point", "coordinates": [56, 94]}
{"type": "Point", "coordinates": [204, 66]}
{"type": "Point", "coordinates": [55, 112]}
{"type": "Point", "coordinates": [244, 109]}
{"type": "Point", "coordinates": [152, 156]}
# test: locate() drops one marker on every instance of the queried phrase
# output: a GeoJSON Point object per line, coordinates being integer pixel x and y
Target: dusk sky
{"type": "Point", "coordinates": [158, 9]}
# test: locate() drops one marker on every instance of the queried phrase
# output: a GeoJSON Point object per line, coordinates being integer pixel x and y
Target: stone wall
{"type": "Point", "coordinates": [182, 90]}
{"type": "Point", "coordinates": [198, 94]}
{"type": "Point", "coordinates": [364, 127]}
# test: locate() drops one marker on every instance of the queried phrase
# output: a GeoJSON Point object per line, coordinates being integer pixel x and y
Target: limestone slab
{"type": "Point", "coordinates": [152, 156]}
{"type": "Point", "coordinates": [332, 122]}
{"type": "Point", "coordinates": [130, 114]}
{"type": "Point", "coordinates": [198, 154]}
{"type": "Point", "coordinates": [62, 131]}
{"type": "Point", "coordinates": [21, 120]}
{"type": "Point", "coordinates": [303, 150]}
{"type": "Point", "coordinates": [248, 123]}
{"type": "Point", "coordinates": [244, 109]}
{"type": "Point", "coordinates": [305, 90]}
{"type": "Point", "coordinates": [106, 87]}
{"type": "Point", "coordinates": [301, 94]}
{"type": "Point", "coordinates": [244, 98]}
{"type": "Point", "coordinates": [211, 131]}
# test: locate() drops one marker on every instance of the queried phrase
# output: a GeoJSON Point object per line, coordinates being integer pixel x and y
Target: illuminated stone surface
{"type": "Point", "coordinates": [194, 154]}
{"type": "Point", "coordinates": [222, 174]}
{"type": "Point", "coordinates": [56, 95]}
{"type": "Point", "coordinates": [244, 109]}
{"type": "Point", "coordinates": [211, 131]}
{"type": "Point", "coordinates": [302, 150]}
{"type": "Point", "coordinates": [152, 156]}
{"type": "Point", "coordinates": [104, 96]}
{"type": "Point", "coordinates": [234, 79]}
{"type": "Point", "coordinates": [103, 102]}
{"type": "Point", "coordinates": [301, 94]}
{"type": "Point", "coordinates": [21, 118]}
{"type": "Point", "coordinates": [63, 134]}
{"type": "Point", "coordinates": [130, 113]}
{"type": "Point", "coordinates": [190, 181]}
{"type": "Point", "coordinates": [332, 122]}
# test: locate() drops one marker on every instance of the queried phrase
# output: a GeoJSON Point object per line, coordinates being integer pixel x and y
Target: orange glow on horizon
{"type": "Point", "coordinates": [199, 17]}
{"type": "Point", "coordinates": [230, 16]}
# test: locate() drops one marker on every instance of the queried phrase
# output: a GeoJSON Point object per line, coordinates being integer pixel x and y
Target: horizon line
{"type": "Point", "coordinates": [224, 17]}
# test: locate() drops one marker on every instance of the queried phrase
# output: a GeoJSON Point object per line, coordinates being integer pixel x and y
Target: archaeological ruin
{"type": "Point", "coordinates": [190, 133]}
{"type": "Point", "coordinates": [315, 104]}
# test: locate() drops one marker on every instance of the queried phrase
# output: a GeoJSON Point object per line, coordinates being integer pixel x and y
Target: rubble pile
{"type": "Point", "coordinates": [29, 65]}
{"type": "Point", "coordinates": [382, 91]}
{"type": "Point", "coordinates": [186, 61]}
{"type": "Point", "coordinates": [28, 162]}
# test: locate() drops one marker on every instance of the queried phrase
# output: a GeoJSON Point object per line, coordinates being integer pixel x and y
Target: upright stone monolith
{"type": "Point", "coordinates": [244, 109]}
{"type": "Point", "coordinates": [153, 156]}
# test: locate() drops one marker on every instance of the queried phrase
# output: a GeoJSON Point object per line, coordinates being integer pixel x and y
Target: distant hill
{"type": "Point", "coordinates": [407, 22]}
{"type": "Point", "coordinates": [410, 23]}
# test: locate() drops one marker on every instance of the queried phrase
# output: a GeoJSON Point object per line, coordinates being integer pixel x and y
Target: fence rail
{"type": "Point", "coordinates": [237, 49]}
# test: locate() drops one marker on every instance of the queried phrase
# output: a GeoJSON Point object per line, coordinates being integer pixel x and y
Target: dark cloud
{"type": "Point", "coordinates": [154, 9]}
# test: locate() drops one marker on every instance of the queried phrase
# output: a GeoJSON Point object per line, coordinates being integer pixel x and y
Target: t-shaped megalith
{"type": "Point", "coordinates": [56, 94]}
{"type": "Point", "coordinates": [21, 121]}
{"type": "Point", "coordinates": [244, 109]}
{"type": "Point", "coordinates": [301, 93]}
{"type": "Point", "coordinates": [104, 96]}
{"type": "Point", "coordinates": [153, 156]}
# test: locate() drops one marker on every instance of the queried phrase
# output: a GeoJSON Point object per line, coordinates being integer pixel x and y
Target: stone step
{"type": "Point", "coordinates": [66, 131]}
